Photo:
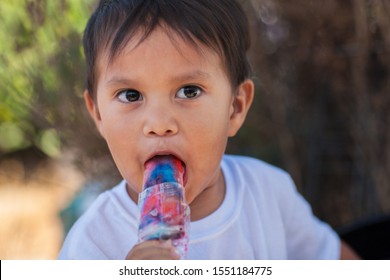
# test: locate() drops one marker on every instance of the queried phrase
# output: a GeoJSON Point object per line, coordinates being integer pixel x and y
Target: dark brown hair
{"type": "Point", "coordinates": [218, 24]}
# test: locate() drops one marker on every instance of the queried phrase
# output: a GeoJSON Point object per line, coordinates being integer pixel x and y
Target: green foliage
{"type": "Point", "coordinates": [40, 46]}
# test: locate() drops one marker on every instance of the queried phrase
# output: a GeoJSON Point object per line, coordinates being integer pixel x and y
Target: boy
{"type": "Point", "coordinates": [171, 77]}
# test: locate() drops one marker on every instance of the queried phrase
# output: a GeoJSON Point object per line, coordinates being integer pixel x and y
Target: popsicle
{"type": "Point", "coordinates": [164, 213]}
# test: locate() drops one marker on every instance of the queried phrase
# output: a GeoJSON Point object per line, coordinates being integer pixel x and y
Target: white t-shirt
{"type": "Point", "coordinates": [262, 217]}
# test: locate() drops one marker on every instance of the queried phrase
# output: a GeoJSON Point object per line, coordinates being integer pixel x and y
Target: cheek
{"type": "Point", "coordinates": [119, 129]}
{"type": "Point", "coordinates": [117, 140]}
{"type": "Point", "coordinates": [208, 145]}
{"type": "Point", "coordinates": [212, 127]}
{"type": "Point", "coordinates": [122, 143]}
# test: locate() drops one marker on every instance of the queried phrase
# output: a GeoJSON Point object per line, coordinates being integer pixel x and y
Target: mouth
{"type": "Point", "coordinates": [164, 167]}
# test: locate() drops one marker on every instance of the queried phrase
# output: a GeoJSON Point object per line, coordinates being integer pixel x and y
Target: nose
{"type": "Point", "coordinates": [160, 121]}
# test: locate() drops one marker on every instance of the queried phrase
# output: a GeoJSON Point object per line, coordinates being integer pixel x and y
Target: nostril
{"type": "Point", "coordinates": [160, 123]}
{"type": "Point", "coordinates": [159, 131]}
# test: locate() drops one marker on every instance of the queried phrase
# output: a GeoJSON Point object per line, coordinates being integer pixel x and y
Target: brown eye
{"type": "Point", "coordinates": [189, 92]}
{"type": "Point", "coordinates": [129, 95]}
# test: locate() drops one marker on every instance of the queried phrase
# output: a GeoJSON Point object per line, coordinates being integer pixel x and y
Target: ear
{"type": "Point", "coordinates": [242, 101]}
{"type": "Point", "coordinates": [93, 111]}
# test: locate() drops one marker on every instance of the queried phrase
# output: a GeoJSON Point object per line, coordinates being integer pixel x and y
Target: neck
{"type": "Point", "coordinates": [209, 199]}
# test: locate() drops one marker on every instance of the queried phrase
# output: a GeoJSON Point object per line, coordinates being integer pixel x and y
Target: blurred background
{"type": "Point", "coordinates": [321, 112]}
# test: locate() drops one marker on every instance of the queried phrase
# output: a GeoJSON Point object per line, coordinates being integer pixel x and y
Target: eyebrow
{"type": "Point", "coordinates": [190, 76]}
{"type": "Point", "coordinates": [195, 75]}
{"type": "Point", "coordinates": [119, 80]}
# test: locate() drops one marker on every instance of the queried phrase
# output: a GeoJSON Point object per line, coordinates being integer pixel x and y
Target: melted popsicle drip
{"type": "Point", "coordinates": [164, 213]}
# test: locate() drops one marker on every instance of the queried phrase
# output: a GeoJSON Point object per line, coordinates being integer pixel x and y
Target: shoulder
{"type": "Point", "coordinates": [273, 193]}
{"type": "Point", "coordinates": [90, 233]}
{"type": "Point", "coordinates": [250, 164]}
{"type": "Point", "coordinates": [253, 178]}
{"type": "Point", "coordinates": [250, 170]}
{"type": "Point", "coordinates": [104, 205]}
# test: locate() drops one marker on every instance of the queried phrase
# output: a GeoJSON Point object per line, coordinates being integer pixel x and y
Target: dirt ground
{"type": "Point", "coordinates": [30, 204]}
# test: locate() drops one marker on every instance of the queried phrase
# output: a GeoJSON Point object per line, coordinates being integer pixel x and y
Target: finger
{"type": "Point", "coordinates": [153, 250]}
{"type": "Point", "coordinates": [153, 253]}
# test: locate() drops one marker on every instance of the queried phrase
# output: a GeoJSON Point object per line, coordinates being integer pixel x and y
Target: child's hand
{"type": "Point", "coordinates": [153, 250]}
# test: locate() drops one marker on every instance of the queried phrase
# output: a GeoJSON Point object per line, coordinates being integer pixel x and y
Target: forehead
{"type": "Point", "coordinates": [161, 42]}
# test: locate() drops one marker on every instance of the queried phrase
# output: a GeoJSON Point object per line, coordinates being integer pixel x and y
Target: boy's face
{"type": "Point", "coordinates": [164, 96]}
